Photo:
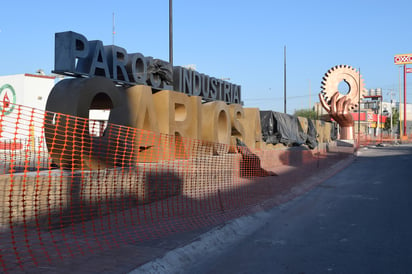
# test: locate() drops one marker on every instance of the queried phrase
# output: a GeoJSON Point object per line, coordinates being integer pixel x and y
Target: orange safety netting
{"type": "Point", "coordinates": [72, 186]}
{"type": "Point", "coordinates": [381, 138]}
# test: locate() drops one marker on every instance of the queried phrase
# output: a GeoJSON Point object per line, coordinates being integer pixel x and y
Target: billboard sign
{"type": "Point", "coordinates": [402, 59]}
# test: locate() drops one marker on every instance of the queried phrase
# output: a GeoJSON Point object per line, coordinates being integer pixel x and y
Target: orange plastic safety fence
{"type": "Point", "coordinates": [383, 138]}
{"type": "Point", "coordinates": [71, 186]}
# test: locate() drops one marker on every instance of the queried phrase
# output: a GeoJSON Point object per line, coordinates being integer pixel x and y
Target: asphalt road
{"type": "Point", "coordinates": [358, 221]}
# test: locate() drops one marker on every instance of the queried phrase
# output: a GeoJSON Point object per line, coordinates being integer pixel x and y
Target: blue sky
{"type": "Point", "coordinates": [240, 40]}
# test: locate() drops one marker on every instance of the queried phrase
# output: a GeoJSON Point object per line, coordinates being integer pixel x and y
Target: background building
{"type": "Point", "coordinates": [24, 92]}
{"type": "Point", "coordinates": [26, 89]}
{"type": "Point", "coordinates": [22, 96]}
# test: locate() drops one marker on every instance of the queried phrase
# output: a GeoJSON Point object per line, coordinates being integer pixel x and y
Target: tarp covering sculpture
{"type": "Point", "coordinates": [286, 129]}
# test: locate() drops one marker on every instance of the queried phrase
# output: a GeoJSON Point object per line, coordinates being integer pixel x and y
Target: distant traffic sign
{"type": "Point", "coordinates": [408, 70]}
{"type": "Point", "coordinates": [402, 59]}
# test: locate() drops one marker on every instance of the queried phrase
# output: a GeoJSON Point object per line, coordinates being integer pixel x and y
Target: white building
{"type": "Point", "coordinates": [23, 100]}
{"type": "Point", "coordinates": [29, 90]}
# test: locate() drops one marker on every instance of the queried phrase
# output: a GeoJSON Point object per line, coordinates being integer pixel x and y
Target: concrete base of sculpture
{"type": "Point", "coordinates": [345, 143]}
{"type": "Point", "coordinates": [59, 197]}
{"type": "Point", "coordinates": [55, 198]}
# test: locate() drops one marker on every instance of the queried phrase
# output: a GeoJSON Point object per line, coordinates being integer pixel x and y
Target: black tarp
{"type": "Point", "coordinates": [311, 135]}
{"type": "Point", "coordinates": [286, 129]}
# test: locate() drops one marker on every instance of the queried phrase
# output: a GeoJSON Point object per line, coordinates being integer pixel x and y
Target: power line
{"type": "Point", "coordinates": [279, 98]}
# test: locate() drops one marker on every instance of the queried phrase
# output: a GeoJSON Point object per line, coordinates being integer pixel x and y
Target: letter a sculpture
{"type": "Point", "coordinates": [338, 105]}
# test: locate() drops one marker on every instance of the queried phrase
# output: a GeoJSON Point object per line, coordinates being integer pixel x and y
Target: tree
{"type": "Point", "coordinates": [307, 113]}
{"type": "Point", "coordinates": [395, 119]}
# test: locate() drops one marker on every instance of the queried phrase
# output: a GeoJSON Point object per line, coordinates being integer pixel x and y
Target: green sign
{"type": "Point", "coordinates": [7, 99]}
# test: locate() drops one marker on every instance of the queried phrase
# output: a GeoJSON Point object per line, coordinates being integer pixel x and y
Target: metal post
{"type": "Point", "coordinates": [381, 128]}
{"type": "Point", "coordinates": [404, 100]}
{"type": "Point", "coordinates": [171, 32]}
{"type": "Point", "coordinates": [360, 91]}
{"type": "Point", "coordinates": [284, 80]}
{"type": "Point", "coordinates": [391, 119]}
{"type": "Point", "coordinates": [400, 106]}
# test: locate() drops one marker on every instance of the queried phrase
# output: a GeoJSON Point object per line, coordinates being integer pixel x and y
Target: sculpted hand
{"type": "Point", "coordinates": [339, 111]}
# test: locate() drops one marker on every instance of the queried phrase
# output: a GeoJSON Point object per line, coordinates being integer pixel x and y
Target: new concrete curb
{"type": "Point", "coordinates": [211, 242]}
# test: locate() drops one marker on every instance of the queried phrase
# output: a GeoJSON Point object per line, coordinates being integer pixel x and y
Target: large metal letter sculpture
{"type": "Point", "coordinates": [340, 105]}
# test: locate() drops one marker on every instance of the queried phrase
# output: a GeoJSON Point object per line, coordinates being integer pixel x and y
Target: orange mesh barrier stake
{"type": "Point", "coordinates": [27, 153]}
{"type": "Point", "coordinates": [13, 165]}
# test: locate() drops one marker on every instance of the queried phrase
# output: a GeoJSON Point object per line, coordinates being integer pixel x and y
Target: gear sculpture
{"type": "Point", "coordinates": [340, 105]}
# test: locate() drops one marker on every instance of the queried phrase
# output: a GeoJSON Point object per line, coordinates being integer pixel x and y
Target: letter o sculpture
{"type": "Point", "coordinates": [66, 124]}
{"type": "Point", "coordinates": [216, 127]}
